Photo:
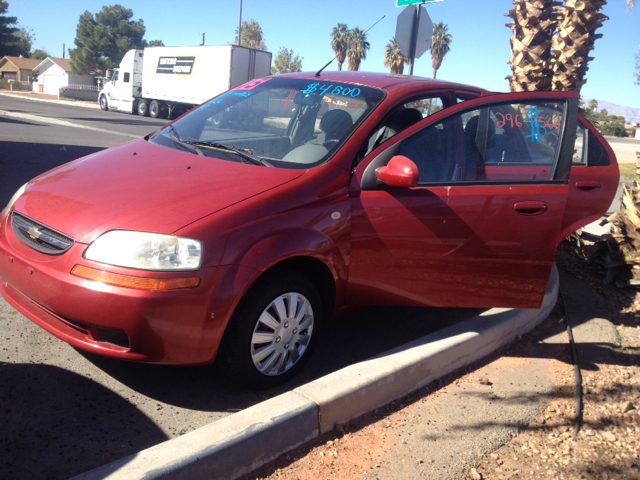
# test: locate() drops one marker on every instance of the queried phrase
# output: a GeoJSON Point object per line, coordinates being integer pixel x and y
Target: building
{"type": "Point", "coordinates": [55, 73]}
{"type": "Point", "coordinates": [17, 68]}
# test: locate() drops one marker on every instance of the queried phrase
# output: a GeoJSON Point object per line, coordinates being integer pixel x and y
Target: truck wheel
{"type": "Point", "coordinates": [272, 332]}
{"type": "Point", "coordinates": [103, 103]}
{"type": "Point", "coordinates": [154, 109]}
{"type": "Point", "coordinates": [142, 109]}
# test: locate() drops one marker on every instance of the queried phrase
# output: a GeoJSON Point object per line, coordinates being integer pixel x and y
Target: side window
{"type": "Point", "coordinates": [579, 157]}
{"type": "Point", "coordinates": [401, 118]}
{"type": "Point", "coordinates": [500, 143]}
{"type": "Point", "coordinates": [588, 150]}
{"type": "Point", "coordinates": [126, 77]}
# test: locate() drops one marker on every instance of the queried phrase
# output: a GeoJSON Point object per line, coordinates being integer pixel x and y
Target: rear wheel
{"type": "Point", "coordinates": [103, 103]}
{"type": "Point", "coordinates": [272, 332]}
{"type": "Point", "coordinates": [154, 109]}
{"type": "Point", "coordinates": [142, 108]}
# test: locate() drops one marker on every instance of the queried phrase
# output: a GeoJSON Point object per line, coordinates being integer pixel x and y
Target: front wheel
{"type": "Point", "coordinates": [103, 103]}
{"type": "Point", "coordinates": [272, 332]}
{"type": "Point", "coordinates": [142, 108]}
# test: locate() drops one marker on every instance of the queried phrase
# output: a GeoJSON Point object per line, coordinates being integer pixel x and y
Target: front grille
{"type": "Point", "coordinates": [40, 237]}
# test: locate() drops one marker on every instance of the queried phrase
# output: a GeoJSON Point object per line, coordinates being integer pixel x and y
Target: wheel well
{"type": "Point", "coordinates": [317, 272]}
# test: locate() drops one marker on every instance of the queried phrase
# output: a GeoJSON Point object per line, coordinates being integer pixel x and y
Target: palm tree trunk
{"type": "Point", "coordinates": [534, 23]}
{"type": "Point", "coordinates": [579, 20]}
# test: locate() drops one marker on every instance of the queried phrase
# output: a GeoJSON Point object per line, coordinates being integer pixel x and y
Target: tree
{"type": "Point", "coordinates": [25, 41]}
{"type": "Point", "coordinates": [439, 45]}
{"type": "Point", "coordinates": [357, 50]}
{"type": "Point", "coordinates": [40, 53]}
{"type": "Point", "coordinates": [286, 62]}
{"type": "Point", "coordinates": [534, 24]}
{"type": "Point", "coordinates": [576, 37]}
{"type": "Point", "coordinates": [593, 105]}
{"type": "Point", "coordinates": [9, 33]}
{"type": "Point", "coordinates": [252, 36]}
{"type": "Point", "coordinates": [637, 72]}
{"type": "Point", "coordinates": [102, 41]}
{"type": "Point", "coordinates": [155, 43]}
{"type": "Point", "coordinates": [340, 42]}
{"type": "Point", "coordinates": [393, 57]}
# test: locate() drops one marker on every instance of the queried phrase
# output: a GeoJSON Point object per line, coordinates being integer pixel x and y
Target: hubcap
{"type": "Point", "coordinates": [282, 334]}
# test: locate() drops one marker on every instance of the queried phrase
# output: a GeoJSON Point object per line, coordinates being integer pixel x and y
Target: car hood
{"type": "Point", "coordinates": [142, 186]}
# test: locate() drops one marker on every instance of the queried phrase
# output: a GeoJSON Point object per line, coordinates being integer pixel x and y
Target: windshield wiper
{"type": "Point", "coordinates": [230, 148]}
{"type": "Point", "coordinates": [175, 138]}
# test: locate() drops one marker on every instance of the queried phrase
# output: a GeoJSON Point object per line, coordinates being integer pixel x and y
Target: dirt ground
{"type": "Point", "coordinates": [378, 445]}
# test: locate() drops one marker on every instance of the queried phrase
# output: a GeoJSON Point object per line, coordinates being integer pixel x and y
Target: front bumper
{"type": "Point", "coordinates": [178, 327]}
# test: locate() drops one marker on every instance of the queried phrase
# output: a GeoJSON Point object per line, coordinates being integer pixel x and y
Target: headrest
{"type": "Point", "coordinates": [335, 123]}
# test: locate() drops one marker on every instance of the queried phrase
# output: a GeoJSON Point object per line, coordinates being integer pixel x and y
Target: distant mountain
{"type": "Point", "coordinates": [631, 115]}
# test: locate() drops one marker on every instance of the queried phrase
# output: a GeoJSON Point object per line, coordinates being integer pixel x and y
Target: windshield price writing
{"type": "Point", "coordinates": [337, 90]}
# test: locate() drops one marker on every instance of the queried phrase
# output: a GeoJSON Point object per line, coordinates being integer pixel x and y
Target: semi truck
{"type": "Point", "coordinates": [167, 81]}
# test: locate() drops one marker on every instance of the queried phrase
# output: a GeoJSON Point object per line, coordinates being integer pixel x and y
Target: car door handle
{"type": "Point", "coordinates": [530, 208]}
{"type": "Point", "coordinates": [588, 185]}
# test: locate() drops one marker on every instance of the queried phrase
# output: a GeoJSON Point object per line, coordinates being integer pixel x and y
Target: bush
{"type": "Point", "coordinates": [4, 84]}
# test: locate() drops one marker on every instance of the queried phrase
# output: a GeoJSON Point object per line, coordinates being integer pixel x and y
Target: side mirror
{"type": "Point", "coordinates": [400, 172]}
{"type": "Point", "coordinates": [109, 74]}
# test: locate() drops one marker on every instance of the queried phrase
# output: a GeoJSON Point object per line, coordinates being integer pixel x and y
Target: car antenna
{"type": "Point", "coordinates": [319, 71]}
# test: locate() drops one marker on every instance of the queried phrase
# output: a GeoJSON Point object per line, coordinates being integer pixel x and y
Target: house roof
{"type": "Point", "coordinates": [21, 63]}
{"type": "Point", "coordinates": [63, 63]}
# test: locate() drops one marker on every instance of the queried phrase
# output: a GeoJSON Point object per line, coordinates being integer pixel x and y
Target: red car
{"type": "Point", "coordinates": [237, 230]}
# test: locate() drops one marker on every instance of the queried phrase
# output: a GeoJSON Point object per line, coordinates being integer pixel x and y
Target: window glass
{"type": "Point", "coordinates": [597, 155]}
{"type": "Point", "coordinates": [401, 118]}
{"type": "Point", "coordinates": [578, 151]}
{"type": "Point", "coordinates": [126, 77]}
{"type": "Point", "coordinates": [291, 123]}
{"type": "Point", "coordinates": [509, 142]}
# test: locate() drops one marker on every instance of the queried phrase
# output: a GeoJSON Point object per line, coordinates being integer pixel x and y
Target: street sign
{"type": "Point", "coordinates": [406, 3]}
{"type": "Point", "coordinates": [405, 32]}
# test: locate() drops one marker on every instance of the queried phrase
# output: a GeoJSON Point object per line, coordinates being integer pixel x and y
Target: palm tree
{"type": "Point", "coordinates": [534, 25]}
{"type": "Point", "coordinates": [340, 42]}
{"type": "Point", "coordinates": [358, 47]}
{"type": "Point", "coordinates": [393, 57]}
{"type": "Point", "coordinates": [576, 37]}
{"type": "Point", "coordinates": [439, 45]}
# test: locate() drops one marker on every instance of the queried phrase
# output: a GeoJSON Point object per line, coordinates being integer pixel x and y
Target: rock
{"type": "Point", "coordinates": [609, 436]}
{"type": "Point", "coordinates": [484, 381]}
{"type": "Point", "coordinates": [627, 406]}
{"type": "Point", "coordinates": [541, 420]}
{"type": "Point", "coordinates": [473, 473]}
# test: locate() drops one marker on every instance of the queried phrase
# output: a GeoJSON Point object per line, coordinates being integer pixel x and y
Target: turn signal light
{"type": "Point", "coordinates": [129, 281]}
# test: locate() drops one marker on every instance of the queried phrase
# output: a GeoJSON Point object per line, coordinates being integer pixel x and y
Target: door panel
{"type": "Point", "coordinates": [477, 231]}
{"type": "Point", "coordinates": [594, 180]}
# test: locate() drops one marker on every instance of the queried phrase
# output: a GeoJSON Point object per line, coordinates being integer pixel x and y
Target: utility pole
{"type": "Point", "coordinates": [240, 24]}
{"type": "Point", "coordinates": [63, 50]}
{"type": "Point", "coordinates": [203, 39]}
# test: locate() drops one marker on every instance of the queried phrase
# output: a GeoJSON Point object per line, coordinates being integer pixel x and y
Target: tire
{"type": "Point", "coordinates": [154, 109]}
{"type": "Point", "coordinates": [103, 103]}
{"type": "Point", "coordinates": [142, 108]}
{"type": "Point", "coordinates": [272, 332]}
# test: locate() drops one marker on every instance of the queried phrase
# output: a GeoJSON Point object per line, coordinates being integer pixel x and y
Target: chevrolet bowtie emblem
{"type": "Point", "coordinates": [34, 232]}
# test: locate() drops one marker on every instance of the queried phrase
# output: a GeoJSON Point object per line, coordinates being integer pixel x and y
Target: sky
{"type": "Point", "coordinates": [479, 51]}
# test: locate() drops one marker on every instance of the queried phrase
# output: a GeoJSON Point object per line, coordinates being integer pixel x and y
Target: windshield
{"type": "Point", "coordinates": [283, 122]}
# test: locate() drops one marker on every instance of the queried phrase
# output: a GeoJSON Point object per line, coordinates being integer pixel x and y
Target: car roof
{"type": "Point", "coordinates": [380, 80]}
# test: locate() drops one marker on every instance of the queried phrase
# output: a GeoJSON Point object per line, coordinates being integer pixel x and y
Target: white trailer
{"type": "Point", "coordinates": [159, 81]}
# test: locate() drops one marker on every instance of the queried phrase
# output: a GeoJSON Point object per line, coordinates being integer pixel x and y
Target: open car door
{"type": "Point", "coordinates": [464, 208]}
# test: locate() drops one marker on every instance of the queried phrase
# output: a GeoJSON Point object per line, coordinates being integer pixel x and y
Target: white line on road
{"type": "Point", "coordinates": [63, 123]}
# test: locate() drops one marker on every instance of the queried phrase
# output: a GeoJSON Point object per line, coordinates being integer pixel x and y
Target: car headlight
{"type": "Point", "coordinates": [146, 251]}
{"type": "Point", "coordinates": [14, 199]}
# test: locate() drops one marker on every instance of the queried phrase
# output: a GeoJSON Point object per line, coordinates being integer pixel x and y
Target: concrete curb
{"type": "Point", "coordinates": [236, 445]}
{"type": "Point", "coordinates": [62, 123]}
{"type": "Point", "coordinates": [59, 102]}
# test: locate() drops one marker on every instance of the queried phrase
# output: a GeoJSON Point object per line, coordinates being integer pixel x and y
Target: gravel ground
{"type": "Point", "coordinates": [410, 438]}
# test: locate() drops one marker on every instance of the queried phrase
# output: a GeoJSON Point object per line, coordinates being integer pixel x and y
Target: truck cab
{"type": "Point", "coordinates": [124, 86]}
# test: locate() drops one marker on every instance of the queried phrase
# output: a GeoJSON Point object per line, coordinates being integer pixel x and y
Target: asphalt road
{"type": "Point", "coordinates": [62, 411]}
